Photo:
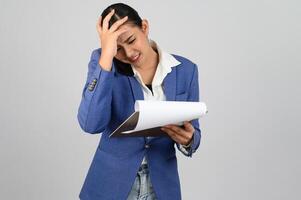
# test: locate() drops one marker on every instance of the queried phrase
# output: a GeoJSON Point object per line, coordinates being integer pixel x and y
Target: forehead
{"type": "Point", "coordinates": [131, 30]}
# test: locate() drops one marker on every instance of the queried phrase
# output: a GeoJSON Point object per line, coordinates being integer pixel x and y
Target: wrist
{"type": "Point", "coordinates": [188, 144]}
{"type": "Point", "coordinates": [105, 63]}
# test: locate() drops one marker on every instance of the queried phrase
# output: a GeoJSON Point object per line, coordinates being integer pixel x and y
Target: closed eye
{"type": "Point", "coordinates": [128, 43]}
{"type": "Point", "coordinates": [131, 41]}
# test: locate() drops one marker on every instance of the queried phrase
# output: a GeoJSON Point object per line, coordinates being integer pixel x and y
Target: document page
{"type": "Point", "coordinates": [159, 113]}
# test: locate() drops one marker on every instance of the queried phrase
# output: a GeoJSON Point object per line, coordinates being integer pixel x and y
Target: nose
{"type": "Point", "coordinates": [128, 52]}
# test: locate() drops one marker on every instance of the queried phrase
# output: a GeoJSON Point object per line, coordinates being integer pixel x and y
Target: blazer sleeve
{"type": "Point", "coordinates": [193, 95]}
{"type": "Point", "coordinates": [94, 111]}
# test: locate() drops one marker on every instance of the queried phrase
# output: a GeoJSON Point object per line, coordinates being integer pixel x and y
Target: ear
{"type": "Point", "coordinates": [145, 27]}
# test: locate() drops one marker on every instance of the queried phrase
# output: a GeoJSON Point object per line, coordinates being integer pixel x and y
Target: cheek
{"type": "Point", "coordinates": [120, 54]}
{"type": "Point", "coordinates": [140, 45]}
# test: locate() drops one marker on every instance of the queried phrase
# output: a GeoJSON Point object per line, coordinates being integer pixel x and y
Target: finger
{"type": "Point", "coordinates": [170, 133]}
{"type": "Point", "coordinates": [98, 24]}
{"type": "Point", "coordinates": [177, 129]}
{"type": "Point", "coordinates": [182, 133]}
{"type": "Point", "coordinates": [105, 23]}
{"type": "Point", "coordinates": [118, 23]}
{"type": "Point", "coordinates": [174, 133]}
{"type": "Point", "coordinates": [175, 136]}
{"type": "Point", "coordinates": [182, 139]}
{"type": "Point", "coordinates": [120, 31]}
{"type": "Point", "coordinates": [188, 126]}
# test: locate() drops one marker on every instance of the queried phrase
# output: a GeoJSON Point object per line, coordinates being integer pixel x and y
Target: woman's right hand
{"type": "Point", "coordinates": [108, 39]}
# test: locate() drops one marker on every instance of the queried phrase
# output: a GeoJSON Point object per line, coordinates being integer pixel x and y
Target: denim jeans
{"type": "Point", "coordinates": [142, 188]}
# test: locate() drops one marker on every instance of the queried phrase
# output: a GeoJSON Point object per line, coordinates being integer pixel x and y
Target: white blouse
{"type": "Point", "coordinates": [166, 62]}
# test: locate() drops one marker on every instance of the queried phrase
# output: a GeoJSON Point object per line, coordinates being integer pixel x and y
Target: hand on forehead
{"type": "Point", "coordinates": [124, 36]}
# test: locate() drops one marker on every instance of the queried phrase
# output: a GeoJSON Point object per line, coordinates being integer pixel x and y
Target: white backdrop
{"type": "Point", "coordinates": [248, 53]}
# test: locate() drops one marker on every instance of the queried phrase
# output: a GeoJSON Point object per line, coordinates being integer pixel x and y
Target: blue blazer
{"type": "Point", "coordinates": [107, 100]}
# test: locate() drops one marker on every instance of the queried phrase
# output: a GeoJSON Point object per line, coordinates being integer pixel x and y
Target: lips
{"type": "Point", "coordinates": [134, 59]}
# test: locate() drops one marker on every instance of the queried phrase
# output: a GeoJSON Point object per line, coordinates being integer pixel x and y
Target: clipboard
{"type": "Point", "coordinates": [150, 116]}
{"type": "Point", "coordinates": [130, 124]}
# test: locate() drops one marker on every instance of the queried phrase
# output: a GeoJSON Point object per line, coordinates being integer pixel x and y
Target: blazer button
{"type": "Point", "coordinates": [90, 88]}
{"type": "Point", "coordinates": [94, 80]}
{"type": "Point", "coordinates": [146, 146]}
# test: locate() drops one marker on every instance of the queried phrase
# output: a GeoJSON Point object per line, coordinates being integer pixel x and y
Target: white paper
{"type": "Point", "coordinates": [159, 113]}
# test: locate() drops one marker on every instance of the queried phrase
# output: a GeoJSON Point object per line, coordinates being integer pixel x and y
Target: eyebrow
{"type": "Point", "coordinates": [128, 38]}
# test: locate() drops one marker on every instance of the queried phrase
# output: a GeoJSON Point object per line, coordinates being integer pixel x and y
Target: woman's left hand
{"type": "Point", "coordinates": [180, 135]}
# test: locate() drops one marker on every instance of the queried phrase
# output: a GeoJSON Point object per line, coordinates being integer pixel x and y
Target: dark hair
{"type": "Point", "coordinates": [122, 10]}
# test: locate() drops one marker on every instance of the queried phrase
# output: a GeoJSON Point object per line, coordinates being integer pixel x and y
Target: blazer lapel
{"type": "Point", "coordinates": [136, 88]}
{"type": "Point", "coordinates": [169, 86]}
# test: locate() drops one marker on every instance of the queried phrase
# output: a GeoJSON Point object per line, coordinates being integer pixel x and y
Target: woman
{"type": "Point", "coordinates": [128, 67]}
